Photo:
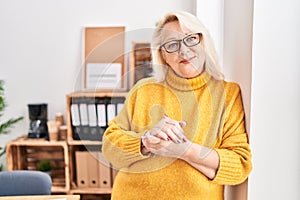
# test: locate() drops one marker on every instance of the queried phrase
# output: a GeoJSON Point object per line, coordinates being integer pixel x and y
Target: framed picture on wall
{"type": "Point", "coordinates": [104, 57]}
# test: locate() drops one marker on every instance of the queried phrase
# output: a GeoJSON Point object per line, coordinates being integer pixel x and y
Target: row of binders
{"type": "Point", "coordinates": [93, 171]}
{"type": "Point", "coordinates": [90, 116]}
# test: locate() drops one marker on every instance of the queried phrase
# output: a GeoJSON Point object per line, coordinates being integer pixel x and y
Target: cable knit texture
{"type": "Point", "coordinates": [215, 118]}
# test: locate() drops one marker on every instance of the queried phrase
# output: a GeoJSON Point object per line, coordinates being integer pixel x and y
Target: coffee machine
{"type": "Point", "coordinates": [38, 116]}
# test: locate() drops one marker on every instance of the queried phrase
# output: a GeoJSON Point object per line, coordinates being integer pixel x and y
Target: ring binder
{"type": "Point", "coordinates": [90, 115]}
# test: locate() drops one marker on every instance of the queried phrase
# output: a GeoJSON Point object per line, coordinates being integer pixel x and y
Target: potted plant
{"type": "Point", "coordinates": [45, 166]}
{"type": "Point", "coordinates": [5, 125]}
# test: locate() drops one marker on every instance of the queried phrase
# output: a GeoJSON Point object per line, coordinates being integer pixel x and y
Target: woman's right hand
{"type": "Point", "coordinates": [165, 137]}
{"type": "Point", "coordinates": [166, 129]}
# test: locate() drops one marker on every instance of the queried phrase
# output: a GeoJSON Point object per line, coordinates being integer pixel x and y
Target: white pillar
{"type": "Point", "coordinates": [275, 109]}
{"type": "Point", "coordinates": [230, 23]}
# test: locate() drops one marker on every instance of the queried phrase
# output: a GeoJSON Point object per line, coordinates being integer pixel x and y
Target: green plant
{"type": "Point", "coordinates": [4, 126]}
{"type": "Point", "coordinates": [44, 165]}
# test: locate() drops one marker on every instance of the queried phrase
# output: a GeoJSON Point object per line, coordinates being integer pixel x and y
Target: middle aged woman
{"type": "Point", "coordinates": [181, 134]}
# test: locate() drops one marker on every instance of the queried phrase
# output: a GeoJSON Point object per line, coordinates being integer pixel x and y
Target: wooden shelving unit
{"type": "Point", "coordinates": [85, 145]}
{"type": "Point", "coordinates": [24, 154]}
{"type": "Point", "coordinates": [92, 191]}
{"type": "Point", "coordinates": [75, 189]}
{"type": "Point", "coordinates": [83, 142]}
{"type": "Point", "coordinates": [86, 94]}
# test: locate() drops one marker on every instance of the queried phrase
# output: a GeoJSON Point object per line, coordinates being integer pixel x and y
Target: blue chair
{"type": "Point", "coordinates": [24, 182]}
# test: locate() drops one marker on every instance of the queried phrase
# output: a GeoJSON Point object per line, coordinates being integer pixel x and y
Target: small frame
{"type": "Point", "coordinates": [141, 61]}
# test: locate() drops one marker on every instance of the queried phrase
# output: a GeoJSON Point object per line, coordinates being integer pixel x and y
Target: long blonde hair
{"type": "Point", "coordinates": [191, 23]}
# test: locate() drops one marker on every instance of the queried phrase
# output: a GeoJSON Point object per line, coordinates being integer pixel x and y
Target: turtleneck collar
{"type": "Point", "coordinates": [184, 84]}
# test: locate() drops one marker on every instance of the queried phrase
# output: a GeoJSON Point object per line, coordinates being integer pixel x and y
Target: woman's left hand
{"type": "Point", "coordinates": [167, 148]}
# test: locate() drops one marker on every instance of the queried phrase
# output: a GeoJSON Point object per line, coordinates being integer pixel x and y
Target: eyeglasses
{"type": "Point", "coordinates": [189, 41]}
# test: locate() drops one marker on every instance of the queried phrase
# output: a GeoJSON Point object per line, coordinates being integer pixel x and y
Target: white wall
{"type": "Point", "coordinates": [237, 61]}
{"type": "Point", "coordinates": [211, 13]}
{"type": "Point", "coordinates": [230, 24]}
{"type": "Point", "coordinates": [275, 127]}
{"type": "Point", "coordinates": [274, 88]}
{"type": "Point", "coordinates": [40, 46]}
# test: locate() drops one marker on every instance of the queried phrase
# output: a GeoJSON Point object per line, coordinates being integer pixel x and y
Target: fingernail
{"type": "Point", "coordinates": [183, 123]}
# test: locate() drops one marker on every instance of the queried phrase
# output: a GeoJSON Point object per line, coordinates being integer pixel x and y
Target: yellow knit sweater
{"type": "Point", "coordinates": [215, 118]}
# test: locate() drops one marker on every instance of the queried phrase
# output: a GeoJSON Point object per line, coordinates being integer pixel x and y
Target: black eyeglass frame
{"type": "Point", "coordinates": [183, 41]}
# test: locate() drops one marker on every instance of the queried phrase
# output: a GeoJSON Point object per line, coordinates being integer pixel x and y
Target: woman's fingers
{"type": "Point", "coordinates": [182, 123]}
{"type": "Point", "coordinates": [158, 132]}
{"type": "Point", "coordinates": [174, 134]}
{"type": "Point", "coordinates": [174, 130]}
{"type": "Point", "coordinates": [168, 129]}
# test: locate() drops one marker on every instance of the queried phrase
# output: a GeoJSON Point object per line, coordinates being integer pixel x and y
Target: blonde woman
{"type": "Point", "coordinates": [181, 134]}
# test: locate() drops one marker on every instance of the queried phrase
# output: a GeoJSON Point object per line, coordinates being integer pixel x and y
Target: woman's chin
{"type": "Point", "coordinates": [190, 71]}
{"type": "Point", "coordinates": [190, 74]}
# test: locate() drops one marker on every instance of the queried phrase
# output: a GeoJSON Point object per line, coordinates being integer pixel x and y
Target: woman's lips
{"type": "Point", "coordinates": [186, 61]}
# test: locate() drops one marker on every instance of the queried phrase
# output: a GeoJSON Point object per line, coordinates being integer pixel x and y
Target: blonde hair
{"type": "Point", "coordinates": [191, 23]}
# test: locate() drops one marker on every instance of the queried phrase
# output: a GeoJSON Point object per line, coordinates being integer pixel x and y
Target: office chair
{"type": "Point", "coordinates": [24, 182]}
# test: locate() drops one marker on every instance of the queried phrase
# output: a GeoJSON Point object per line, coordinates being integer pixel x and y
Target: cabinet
{"type": "Point", "coordinates": [88, 147]}
{"type": "Point", "coordinates": [79, 130]}
{"type": "Point", "coordinates": [24, 154]}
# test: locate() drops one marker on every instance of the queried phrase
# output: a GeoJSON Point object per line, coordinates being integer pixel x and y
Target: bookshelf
{"type": "Point", "coordinates": [82, 145]}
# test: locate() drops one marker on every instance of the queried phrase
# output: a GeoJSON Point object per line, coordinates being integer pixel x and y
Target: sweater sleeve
{"type": "Point", "coordinates": [234, 151]}
{"type": "Point", "coordinates": [120, 145]}
{"type": "Point", "coordinates": [122, 148]}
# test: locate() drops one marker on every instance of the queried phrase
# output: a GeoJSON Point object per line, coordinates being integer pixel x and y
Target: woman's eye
{"type": "Point", "coordinates": [172, 45]}
{"type": "Point", "coordinates": [191, 39]}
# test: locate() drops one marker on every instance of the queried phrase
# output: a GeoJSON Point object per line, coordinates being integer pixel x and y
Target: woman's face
{"type": "Point", "coordinates": [187, 62]}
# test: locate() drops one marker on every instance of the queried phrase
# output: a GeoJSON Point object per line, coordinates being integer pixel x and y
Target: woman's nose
{"type": "Point", "coordinates": [183, 50]}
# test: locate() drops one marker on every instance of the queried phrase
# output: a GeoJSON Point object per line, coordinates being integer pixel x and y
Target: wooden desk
{"type": "Point", "coordinates": [42, 197]}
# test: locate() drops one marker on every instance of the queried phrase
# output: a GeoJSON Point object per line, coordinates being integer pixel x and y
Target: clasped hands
{"type": "Point", "coordinates": [167, 139]}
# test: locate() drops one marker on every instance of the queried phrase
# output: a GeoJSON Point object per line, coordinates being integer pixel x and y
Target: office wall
{"type": "Point", "coordinates": [271, 81]}
{"type": "Point", "coordinates": [40, 46]}
{"type": "Point", "coordinates": [230, 24]}
{"type": "Point", "coordinates": [275, 107]}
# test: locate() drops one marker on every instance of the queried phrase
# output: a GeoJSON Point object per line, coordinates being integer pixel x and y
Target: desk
{"type": "Point", "coordinates": [42, 197]}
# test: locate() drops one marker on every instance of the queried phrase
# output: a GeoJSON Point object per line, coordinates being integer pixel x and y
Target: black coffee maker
{"type": "Point", "coordinates": [38, 115]}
